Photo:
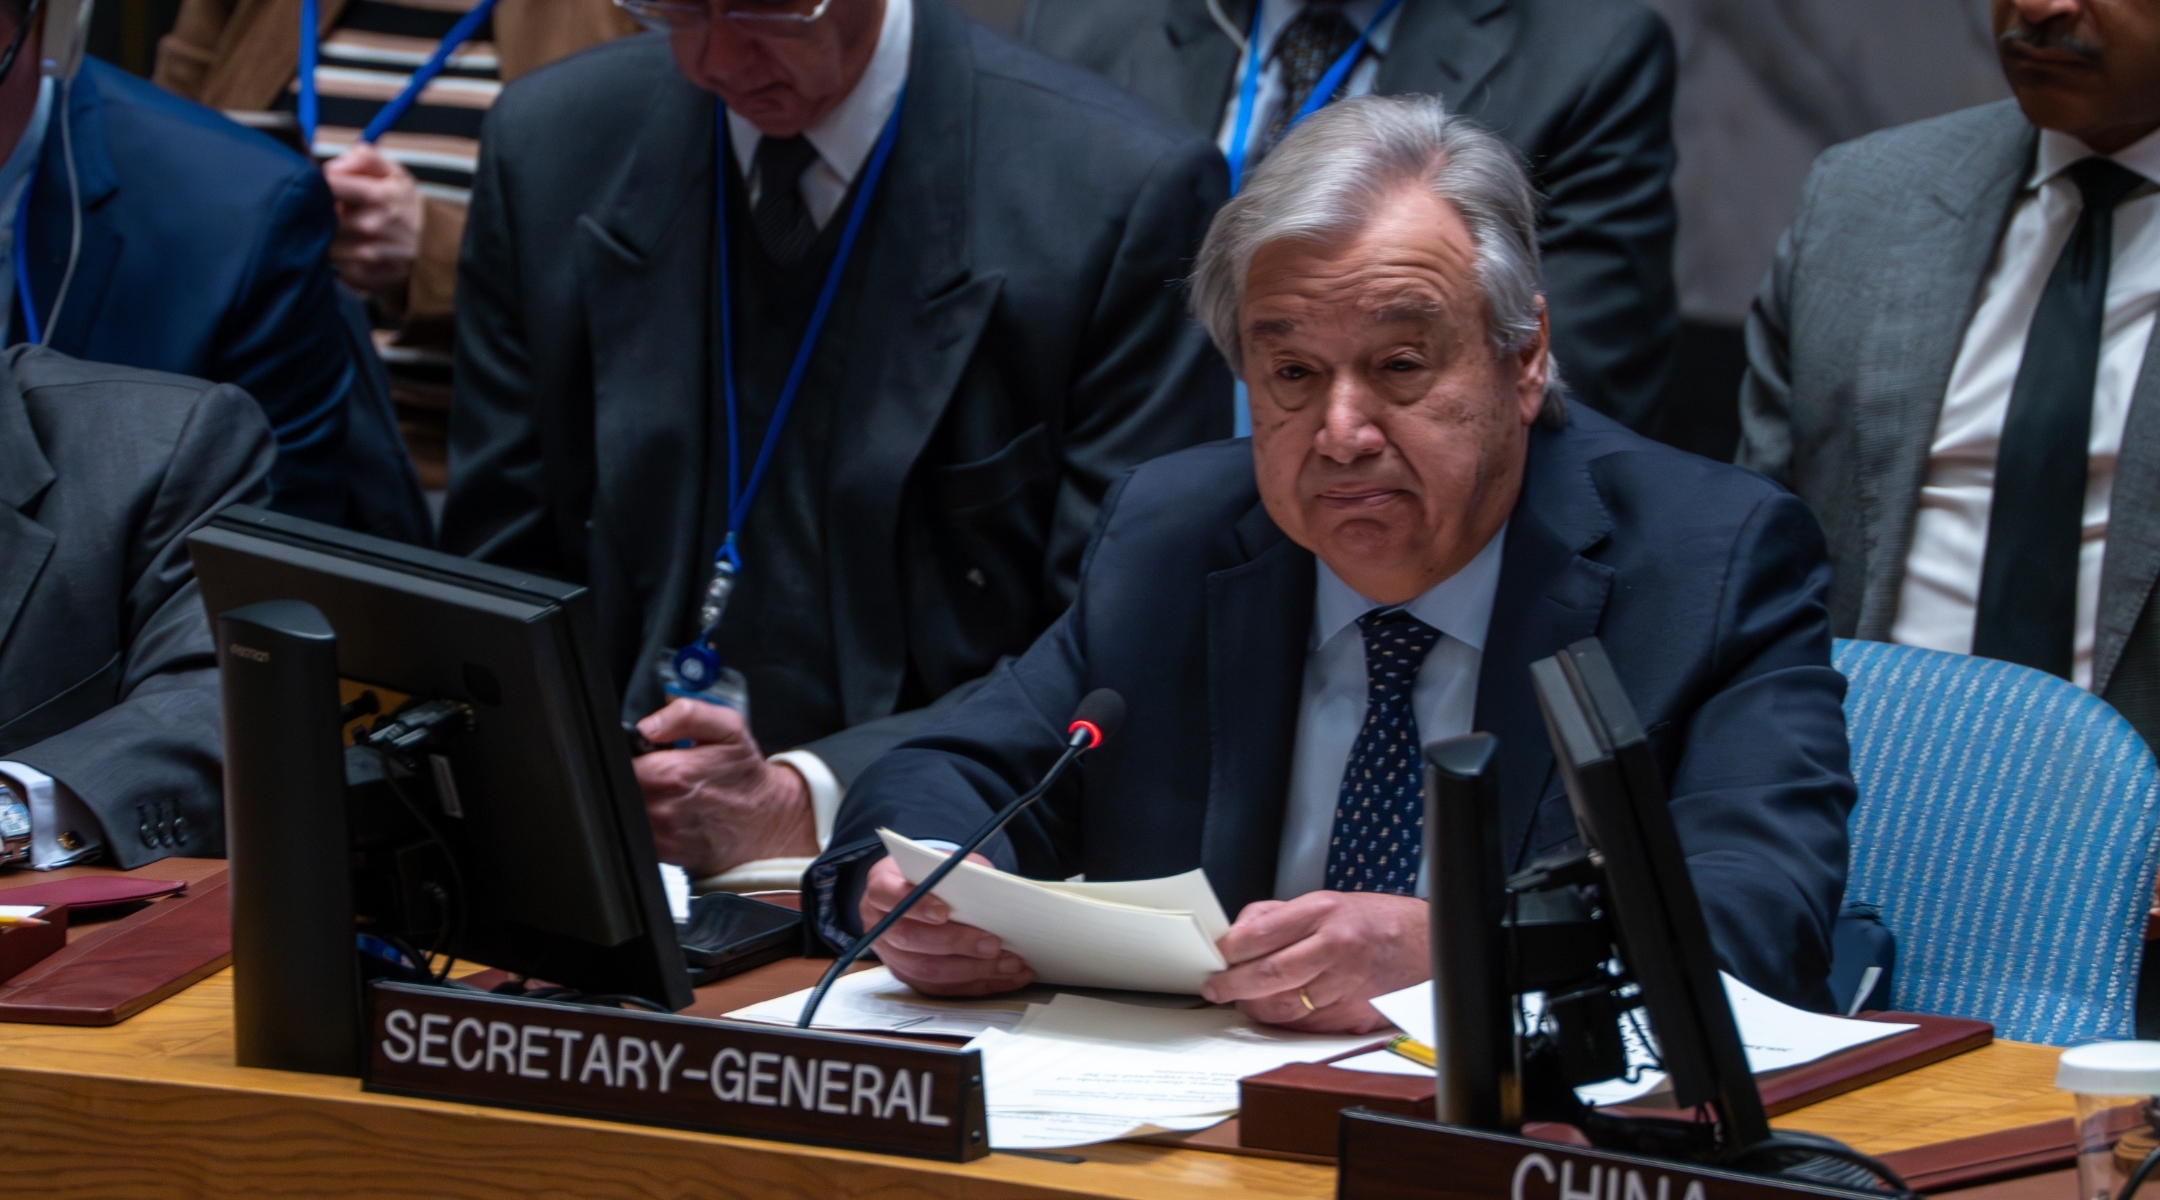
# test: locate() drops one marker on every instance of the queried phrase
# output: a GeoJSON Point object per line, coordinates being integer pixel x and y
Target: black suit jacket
{"type": "Point", "coordinates": [1705, 583]}
{"type": "Point", "coordinates": [1582, 87]}
{"type": "Point", "coordinates": [108, 679]}
{"type": "Point", "coordinates": [1024, 341]}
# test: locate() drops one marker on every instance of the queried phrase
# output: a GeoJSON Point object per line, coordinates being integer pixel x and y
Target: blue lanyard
{"type": "Point", "coordinates": [741, 493]}
{"type": "Point", "coordinates": [1249, 91]}
{"type": "Point", "coordinates": [23, 303]}
{"type": "Point", "coordinates": [309, 108]}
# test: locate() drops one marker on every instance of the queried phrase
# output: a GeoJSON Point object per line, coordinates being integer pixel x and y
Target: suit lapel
{"type": "Point", "coordinates": [1206, 61]}
{"type": "Point", "coordinates": [2132, 561]}
{"type": "Point", "coordinates": [645, 261]}
{"type": "Point", "coordinates": [1925, 286]}
{"type": "Point", "coordinates": [1259, 619]}
{"type": "Point", "coordinates": [1448, 50]}
{"type": "Point", "coordinates": [911, 349]}
{"type": "Point", "coordinates": [52, 223]}
{"type": "Point", "coordinates": [25, 545]}
{"type": "Point", "coordinates": [1548, 596]}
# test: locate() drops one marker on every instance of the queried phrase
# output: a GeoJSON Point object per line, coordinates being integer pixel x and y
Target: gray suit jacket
{"type": "Point", "coordinates": [108, 679]}
{"type": "Point", "coordinates": [1583, 88]}
{"type": "Point", "coordinates": [1850, 348]}
{"type": "Point", "coordinates": [1018, 339]}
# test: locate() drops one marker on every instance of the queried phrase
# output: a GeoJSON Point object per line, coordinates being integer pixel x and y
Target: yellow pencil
{"type": "Point", "coordinates": [6, 920]}
{"type": "Point", "coordinates": [1414, 1050]}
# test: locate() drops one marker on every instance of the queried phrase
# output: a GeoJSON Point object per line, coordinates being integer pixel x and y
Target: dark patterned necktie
{"type": "Point", "coordinates": [1380, 813]}
{"type": "Point", "coordinates": [2036, 523]}
{"type": "Point", "coordinates": [1309, 45]}
{"type": "Point", "coordinates": [783, 221]}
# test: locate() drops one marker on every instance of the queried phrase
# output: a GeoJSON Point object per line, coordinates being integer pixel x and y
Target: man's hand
{"type": "Point", "coordinates": [928, 950]}
{"type": "Point", "coordinates": [719, 804]}
{"type": "Point", "coordinates": [1341, 948]}
{"type": "Point", "coordinates": [379, 213]}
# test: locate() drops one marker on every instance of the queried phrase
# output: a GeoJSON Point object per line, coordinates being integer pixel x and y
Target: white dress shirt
{"type": "Point", "coordinates": [1939, 602]}
{"type": "Point", "coordinates": [847, 134]}
{"type": "Point", "coordinates": [843, 141]}
{"type": "Point", "coordinates": [1331, 709]}
{"type": "Point", "coordinates": [1275, 16]}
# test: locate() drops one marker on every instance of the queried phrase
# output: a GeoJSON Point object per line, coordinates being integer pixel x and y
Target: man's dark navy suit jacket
{"type": "Point", "coordinates": [205, 252]}
{"type": "Point", "coordinates": [1706, 584]}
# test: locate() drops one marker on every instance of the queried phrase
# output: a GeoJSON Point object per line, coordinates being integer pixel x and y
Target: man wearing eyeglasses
{"type": "Point", "coordinates": [884, 369]}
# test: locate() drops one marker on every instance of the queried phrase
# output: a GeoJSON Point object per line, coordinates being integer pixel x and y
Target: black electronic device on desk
{"type": "Point", "coordinates": [458, 744]}
{"type": "Point", "coordinates": [1608, 934]}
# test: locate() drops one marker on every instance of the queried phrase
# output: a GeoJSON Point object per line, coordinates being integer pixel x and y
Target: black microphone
{"type": "Point", "coordinates": [1094, 722]}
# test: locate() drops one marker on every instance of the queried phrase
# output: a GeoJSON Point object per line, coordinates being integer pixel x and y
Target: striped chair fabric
{"type": "Point", "coordinates": [2007, 830]}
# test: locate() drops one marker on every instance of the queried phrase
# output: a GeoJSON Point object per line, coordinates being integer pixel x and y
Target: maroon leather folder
{"type": "Point", "coordinates": [1293, 1109]}
{"type": "Point", "coordinates": [109, 974]}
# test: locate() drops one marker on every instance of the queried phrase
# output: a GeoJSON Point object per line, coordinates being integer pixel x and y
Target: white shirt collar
{"type": "Point", "coordinates": [1459, 606]}
{"type": "Point", "coordinates": [847, 134]}
{"type": "Point", "coordinates": [2058, 151]}
{"type": "Point", "coordinates": [1276, 15]}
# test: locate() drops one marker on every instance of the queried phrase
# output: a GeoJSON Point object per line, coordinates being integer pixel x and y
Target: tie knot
{"type": "Point", "coordinates": [782, 160]}
{"type": "Point", "coordinates": [2103, 182]}
{"type": "Point", "coordinates": [1396, 644]}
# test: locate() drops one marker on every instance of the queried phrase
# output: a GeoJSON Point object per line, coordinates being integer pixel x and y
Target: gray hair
{"type": "Point", "coordinates": [1326, 178]}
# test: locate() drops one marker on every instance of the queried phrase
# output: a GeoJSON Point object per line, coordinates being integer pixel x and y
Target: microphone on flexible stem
{"type": "Point", "coordinates": [1093, 723]}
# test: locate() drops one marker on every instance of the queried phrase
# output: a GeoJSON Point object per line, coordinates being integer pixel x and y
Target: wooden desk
{"type": "Point", "coordinates": [155, 1107]}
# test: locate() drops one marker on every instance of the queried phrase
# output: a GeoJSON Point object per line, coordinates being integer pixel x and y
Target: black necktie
{"type": "Point", "coordinates": [1311, 43]}
{"type": "Point", "coordinates": [2029, 575]}
{"type": "Point", "coordinates": [783, 221]}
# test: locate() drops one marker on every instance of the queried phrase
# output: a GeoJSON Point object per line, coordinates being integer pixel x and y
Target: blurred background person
{"type": "Point", "coordinates": [149, 232]}
{"type": "Point", "coordinates": [401, 199]}
{"type": "Point", "coordinates": [1583, 88]}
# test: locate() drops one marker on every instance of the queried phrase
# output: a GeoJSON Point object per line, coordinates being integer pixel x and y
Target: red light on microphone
{"type": "Point", "coordinates": [1094, 733]}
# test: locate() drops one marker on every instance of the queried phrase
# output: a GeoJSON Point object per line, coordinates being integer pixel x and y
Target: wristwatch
{"type": "Point", "coordinates": [14, 828]}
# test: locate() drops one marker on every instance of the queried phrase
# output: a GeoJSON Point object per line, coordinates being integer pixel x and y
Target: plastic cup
{"type": "Point", "coordinates": [2115, 1084]}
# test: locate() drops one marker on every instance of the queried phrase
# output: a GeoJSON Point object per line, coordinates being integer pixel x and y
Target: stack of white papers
{"type": "Point", "coordinates": [873, 1001]}
{"type": "Point", "coordinates": [1150, 935]}
{"type": "Point", "coordinates": [1777, 1036]}
{"type": "Point", "coordinates": [1081, 1070]}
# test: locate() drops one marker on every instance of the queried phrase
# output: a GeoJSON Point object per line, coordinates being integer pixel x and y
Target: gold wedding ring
{"type": "Point", "coordinates": [1307, 999]}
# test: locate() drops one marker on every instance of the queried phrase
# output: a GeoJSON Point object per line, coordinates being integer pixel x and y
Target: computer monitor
{"type": "Point", "coordinates": [534, 797]}
{"type": "Point", "coordinates": [1621, 811]}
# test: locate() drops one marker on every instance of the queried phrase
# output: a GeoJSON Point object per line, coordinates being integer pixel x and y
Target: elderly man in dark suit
{"type": "Point", "coordinates": [1583, 88]}
{"type": "Point", "coordinates": [1417, 519]}
{"type": "Point", "coordinates": [945, 314]}
{"type": "Point", "coordinates": [1953, 360]}
{"type": "Point", "coordinates": [108, 680]}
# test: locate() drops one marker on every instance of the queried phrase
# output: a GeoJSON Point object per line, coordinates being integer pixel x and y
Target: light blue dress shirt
{"type": "Point", "coordinates": [1331, 708]}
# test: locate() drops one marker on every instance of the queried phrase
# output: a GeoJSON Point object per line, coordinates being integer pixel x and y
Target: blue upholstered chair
{"type": "Point", "coordinates": [2006, 829]}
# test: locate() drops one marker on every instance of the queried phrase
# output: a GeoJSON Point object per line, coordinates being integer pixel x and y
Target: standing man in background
{"type": "Point", "coordinates": [146, 231]}
{"type": "Point", "coordinates": [855, 295]}
{"type": "Point", "coordinates": [1953, 361]}
{"type": "Point", "coordinates": [1583, 88]}
{"type": "Point", "coordinates": [401, 201]}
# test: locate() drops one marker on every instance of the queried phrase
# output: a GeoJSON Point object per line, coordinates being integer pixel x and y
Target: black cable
{"type": "Point", "coordinates": [457, 876]}
{"type": "Point", "coordinates": [2137, 1177]}
{"type": "Point", "coordinates": [1811, 1146]}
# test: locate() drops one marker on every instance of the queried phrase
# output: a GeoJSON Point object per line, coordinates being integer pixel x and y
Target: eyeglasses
{"type": "Point", "coordinates": [759, 18]}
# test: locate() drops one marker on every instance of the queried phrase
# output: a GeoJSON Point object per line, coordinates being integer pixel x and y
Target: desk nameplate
{"type": "Point", "coordinates": [653, 1069]}
{"type": "Point", "coordinates": [1388, 1157]}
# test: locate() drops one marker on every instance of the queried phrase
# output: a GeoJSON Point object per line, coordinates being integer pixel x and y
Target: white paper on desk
{"type": "Point", "coordinates": [1083, 1055]}
{"type": "Point", "coordinates": [1776, 1035]}
{"type": "Point", "coordinates": [21, 910]}
{"type": "Point", "coordinates": [874, 1002]}
{"type": "Point", "coordinates": [1013, 1129]}
{"type": "Point", "coordinates": [1070, 934]}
